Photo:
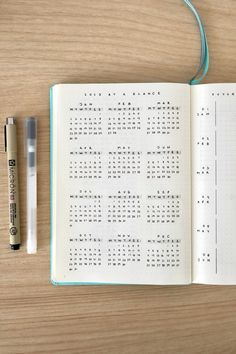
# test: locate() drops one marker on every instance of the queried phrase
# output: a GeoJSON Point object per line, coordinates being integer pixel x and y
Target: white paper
{"type": "Point", "coordinates": [121, 183]}
{"type": "Point", "coordinates": [214, 183]}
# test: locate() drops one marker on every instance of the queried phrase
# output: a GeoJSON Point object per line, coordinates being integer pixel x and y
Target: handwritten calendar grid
{"type": "Point", "coordinates": [121, 162]}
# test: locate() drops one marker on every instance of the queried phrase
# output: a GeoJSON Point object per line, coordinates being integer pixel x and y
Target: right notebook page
{"type": "Point", "coordinates": [214, 183]}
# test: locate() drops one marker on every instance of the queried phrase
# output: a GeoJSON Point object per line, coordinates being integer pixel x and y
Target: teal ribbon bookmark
{"type": "Point", "coordinates": [204, 59]}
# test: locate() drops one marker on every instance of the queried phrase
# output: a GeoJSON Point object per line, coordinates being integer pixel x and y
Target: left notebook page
{"type": "Point", "coordinates": [120, 184]}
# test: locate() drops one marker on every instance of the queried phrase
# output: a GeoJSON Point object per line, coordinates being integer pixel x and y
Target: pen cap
{"type": "Point", "coordinates": [30, 140]}
{"type": "Point", "coordinates": [10, 134]}
{"type": "Point", "coordinates": [31, 127]}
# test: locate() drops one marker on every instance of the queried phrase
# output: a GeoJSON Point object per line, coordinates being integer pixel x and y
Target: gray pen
{"type": "Point", "coordinates": [31, 172]}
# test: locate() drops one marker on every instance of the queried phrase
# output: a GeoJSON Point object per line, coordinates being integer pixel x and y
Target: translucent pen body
{"type": "Point", "coordinates": [31, 157]}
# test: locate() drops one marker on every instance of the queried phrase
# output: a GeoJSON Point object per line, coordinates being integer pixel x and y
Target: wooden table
{"type": "Point", "coordinates": [43, 42]}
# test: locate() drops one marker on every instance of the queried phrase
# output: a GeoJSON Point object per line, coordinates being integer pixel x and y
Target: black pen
{"type": "Point", "coordinates": [12, 169]}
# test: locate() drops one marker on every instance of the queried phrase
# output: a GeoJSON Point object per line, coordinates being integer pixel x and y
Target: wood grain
{"type": "Point", "coordinates": [43, 42]}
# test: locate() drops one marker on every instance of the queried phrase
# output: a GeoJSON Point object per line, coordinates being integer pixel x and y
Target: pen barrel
{"type": "Point", "coordinates": [31, 172]}
{"type": "Point", "coordinates": [14, 215]}
{"type": "Point", "coordinates": [31, 209]}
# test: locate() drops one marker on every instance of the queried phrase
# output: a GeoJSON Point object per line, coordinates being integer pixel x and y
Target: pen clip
{"type": "Point", "coordinates": [25, 139]}
{"type": "Point", "coordinates": [5, 137]}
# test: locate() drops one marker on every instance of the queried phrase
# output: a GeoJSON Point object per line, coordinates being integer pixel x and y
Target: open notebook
{"type": "Point", "coordinates": [143, 183]}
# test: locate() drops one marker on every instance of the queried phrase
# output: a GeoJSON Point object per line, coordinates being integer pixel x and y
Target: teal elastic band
{"type": "Point", "coordinates": [204, 59]}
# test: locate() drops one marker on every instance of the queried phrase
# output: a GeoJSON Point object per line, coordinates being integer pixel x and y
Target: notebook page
{"type": "Point", "coordinates": [121, 183]}
{"type": "Point", "coordinates": [214, 183]}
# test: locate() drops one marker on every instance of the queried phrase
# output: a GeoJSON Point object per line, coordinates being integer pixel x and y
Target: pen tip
{"type": "Point", "coordinates": [15, 247]}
